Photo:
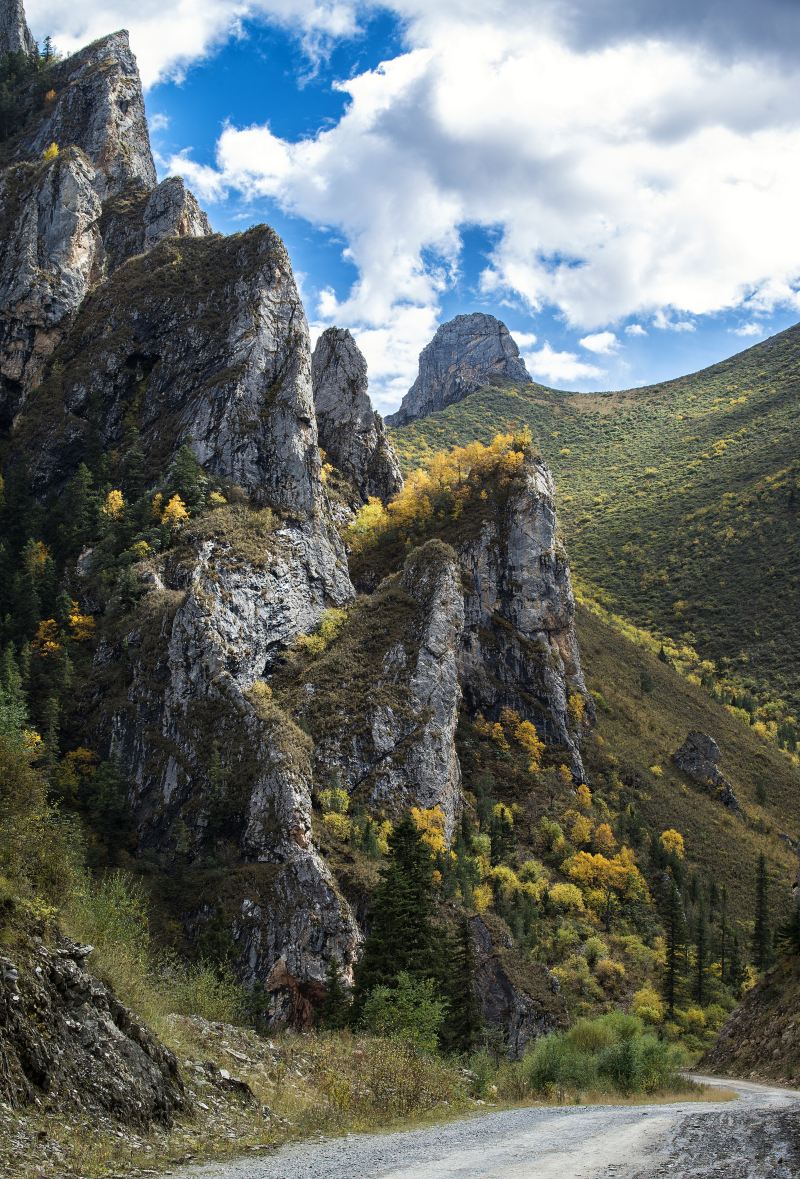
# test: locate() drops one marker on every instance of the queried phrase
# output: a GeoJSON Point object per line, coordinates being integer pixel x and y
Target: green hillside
{"type": "Point", "coordinates": [679, 503]}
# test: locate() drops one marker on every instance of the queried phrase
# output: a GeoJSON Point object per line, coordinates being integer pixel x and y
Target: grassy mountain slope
{"type": "Point", "coordinates": [644, 711]}
{"type": "Point", "coordinates": [680, 506]}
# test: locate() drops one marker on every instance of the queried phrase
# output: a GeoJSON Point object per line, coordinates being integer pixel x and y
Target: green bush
{"type": "Point", "coordinates": [612, 1053]}
{"type": "Point", "coordinates": [412, 1011]}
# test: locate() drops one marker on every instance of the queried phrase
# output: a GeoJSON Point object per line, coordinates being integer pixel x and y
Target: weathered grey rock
{"type": "Point", "coordinates": [15, 36]}
{"type": "Point", "coordinates": [138, 219]}
{"type": "Point", "coordinates": [212, 760]}
{"type": "Point", "coordinates": [68, 222]}
{"type": "Point", "coordinates": [699, 757]}
{"type": "Point", "coordinates": [98, 107]}
{"type": "Point", "coordinates": [207, 342]}
{"type": "Point", "coordinates": [519, 649]}
{"type": "Point", "coordinates": [393, 743]}
{"type": "Point", "coordinates": [51, 252]}
{"type": "Point", "coordinates": [351, 433]}
{"type": "Point", "coordinates": [466, 353]}
{"type": "Point", "coordinates": [521, 1001]}
{"type": "Point", "coordinates": [67, 1042]}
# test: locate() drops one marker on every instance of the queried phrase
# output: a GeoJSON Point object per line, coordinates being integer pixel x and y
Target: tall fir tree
{"type": "Point", "coordinates": [701, 959]}
{"type": "Point", "coordinates": [334, 1012]}
{"type": "Point", "coordinates": [762, 940]}
{"type": "Point", "coordinates": [401, 935]}
{"type": "Point", "coordinates": [675, 930]}
{"type": "Point", "coordinates": [462, 1024]}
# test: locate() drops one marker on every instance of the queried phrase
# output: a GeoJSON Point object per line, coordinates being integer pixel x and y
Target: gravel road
{"type": "Point", "coordinates": [756, 1137]}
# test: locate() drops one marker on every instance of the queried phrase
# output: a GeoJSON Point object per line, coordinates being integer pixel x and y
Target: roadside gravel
{"type": "Point", "coordinates": [757, 1137]}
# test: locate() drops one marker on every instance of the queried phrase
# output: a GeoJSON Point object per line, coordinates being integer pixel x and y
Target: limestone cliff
{"type": "Point", "coordinates": [351, 433]}
{"type": "Point", "coordinates": [204, 342]}
{"type": "Point", "coordinates": [68, 221]}
{"type": "Point", "coordinates": [383, 704]}
{"type": "Point", "coordinates": [466, 353]}
{"type": "Point", "coordinates": [15, 36]}
{"type": "Point", "coordinates": [519, 649]}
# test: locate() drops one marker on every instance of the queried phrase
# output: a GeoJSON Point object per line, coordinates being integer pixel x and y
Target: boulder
{"type": "Point", "coordinates": [699, 758]}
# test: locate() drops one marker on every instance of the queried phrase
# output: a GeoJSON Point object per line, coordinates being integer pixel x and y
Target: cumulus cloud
{"type": "Point", "coordinates": [524, 339]}
{"type": "Point", "coordinates": [749, 329]}
{"type": "Point", "coordinates": [600, 342]}
{"type": "Point", "coordinates": [635, 329]}
{"type": "Point", "coordinates": [614, 150]}
{"type": "Point", "coordinates": [168, 36]}
{"type": "Point", "coordinates": [666, 322]}
{"type": "Point", "coordinates": [559, 368]}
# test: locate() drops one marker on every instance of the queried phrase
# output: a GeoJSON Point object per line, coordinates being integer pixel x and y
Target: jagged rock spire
{"type": "Point", "coordinates": [15, 36]}
{"type": "Point", "coordinates": [351, 433]}
{"type": "Point", "coordinates": [466, 353]}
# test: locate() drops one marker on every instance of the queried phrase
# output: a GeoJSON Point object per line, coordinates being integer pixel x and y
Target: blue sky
{"type": "Point", "coordinates": [617, 184]}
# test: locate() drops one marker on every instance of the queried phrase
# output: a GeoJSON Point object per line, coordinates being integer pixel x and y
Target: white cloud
{"type": "Point", "coordinates": [614, 163]}
{"type": "Point", "coordinates": [158, 122]}
{"type": "Point", "coordinates": [559, 367]}
{"type": "Point", "coordinates": [168, 36]}
{"type": "Point", "coordinates": [602, 343]}
{"type": "Point", "coordinates": [524, 339]}
{"type": "Point", "coordinates": [666, 323]}
{"type": "Point", "coordinates": [749, 329]}
{"type": "Point", "coordinates": [635, 329]}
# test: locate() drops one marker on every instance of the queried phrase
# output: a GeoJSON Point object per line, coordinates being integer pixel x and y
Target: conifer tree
{"type": "Point", "coordinates": [463, 1024]}
{"type": "Point", "coordinates": [675, 929]}
{"type": "Point", "coordinates": [401, 935]}
{"type": "Point", "coordinates": [334, 1013]}
{"type": "Point", "coordinates": [761, 933]}
{"type": "Point", "coordinates": [735, 972]}
{"type": "Point", "coordinates": [701, 958]}
{"type": "Point", "coordinates": [723, 933]}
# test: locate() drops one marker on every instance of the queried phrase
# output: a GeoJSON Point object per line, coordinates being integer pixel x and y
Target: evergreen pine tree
{"type": "Point", "coordinates": [401, 935]}
{"type": "Point", "coordinates": [334, 1013]}
{"type": "Point", "coordinates": [463, 1023]}
{"type": "Point", "coordinates": [723, 933]}
{"type": "Point", "coordinates": [675, 930]}
{"type": "Point", "coordinates": [701, 958]}
{"type": "Point", "coordinates": [761, 932]}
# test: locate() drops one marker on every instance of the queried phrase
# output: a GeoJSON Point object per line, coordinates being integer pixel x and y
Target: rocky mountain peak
{"type": "Point", "coordinates": [351, 433]}
{"type": "Point", "coordinates": [79, 197]}
{"type": "Point", "coordinates": [15, 36]}
{"type": "Point", "coordinates": [466, 353]}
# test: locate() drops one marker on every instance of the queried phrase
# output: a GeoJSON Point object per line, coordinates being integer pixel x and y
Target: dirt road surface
{"type": "Point", "coordinates": [755, 1137]}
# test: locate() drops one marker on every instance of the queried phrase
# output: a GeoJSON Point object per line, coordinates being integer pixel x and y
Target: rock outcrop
{"type": "Point", "coordinates": [66, 1042]}
{"type": "Point", "coordinates": [351, 433]}
{"type": "Point", "coordinates": [212, 759]}
{"type": "Point", "coordinates": [202, 343]}
{"type": "Point", "coordinates": [699, 758]}
{"type": "Point", "coordinates": [520, 1000]}
{"type": "Point", "coordinates": [519, 648]}
{"type": "Point", "coordinates": [69, 221]}
{"type": "Point", "coordinates": [15, 36]}
{"type": "Point", "coordinates": [387, 734]}
{"type": "Point", "coordinates": [466, 353]}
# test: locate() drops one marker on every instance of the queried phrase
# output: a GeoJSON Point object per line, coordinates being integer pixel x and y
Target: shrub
{"type": "Point", "coordinates": [611, 1053]}
{"type": "Point", "coordinates": [567, 897]}
{"type": "Point", "coordinates": [648, 1004]}
{"type": "Point", "coordinates": [339, 826]}
{"type": "Point", "coordinates": [412, 1011]}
